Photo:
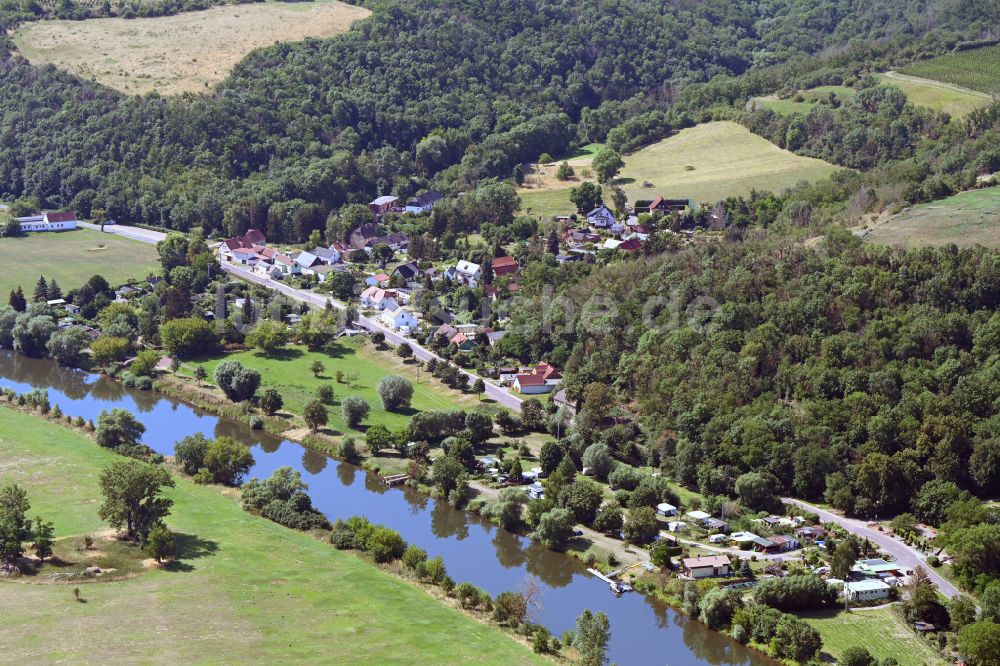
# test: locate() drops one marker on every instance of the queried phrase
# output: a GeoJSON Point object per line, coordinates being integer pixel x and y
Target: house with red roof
{"type": "Point", "coordinates": [504, 266]}
{"type": "Point", "coordinates": [64, 221]}
{"type": "Point", "coordinates": [543, 378]}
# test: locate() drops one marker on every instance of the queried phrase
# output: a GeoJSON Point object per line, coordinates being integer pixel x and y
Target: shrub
{"type": "Point", "coordinates": [395, 392]}
{"type": "Point", "coordinates": [256, 423]}
{"type": "Point", "coordinates": [355, 409]}
{"type": "Point", "coordinates": [385, 544]}
{"type": "Point", "coordinates": [414, 556]}
{"type": "Point", "coordinates": [325, 394]}
{"type": "Point", "coordinates": [270, 401]}
{"type": "Point", "coordinates": [237, 382]}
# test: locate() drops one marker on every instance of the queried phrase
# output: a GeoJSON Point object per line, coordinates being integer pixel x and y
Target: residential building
{"type": "Point", "coordinates": [328, 255]}
{"type": "Point", "coordinates": [376, 297]}
{"type": "Point", "coordinates": [364, 234]}
{"type": "Point", "coordinates": [383, 204]}
{"type": "Point", "coordinates": [64, 221]}
{"type": "Point", "coordinates": [866, 590]}
{"type": "Point", "coordinates": [543, 378]}
{"type": "Point", "coordinates": [504, 266]}
{"type": "Point", "coordinates": [306, 260]}
{"type": "Point", "coordinates": [423, 203]}
{"type": "Point", "coordinates": [877, 568]}
{"type": "Point", "coordinates": [708, 566]}
{"type": "Point", "coordinates": [601, 217]}
{"type": "Point", "coordinates": [468, 272]}
{"type": "Point", "coordinates": [409, 271]}
{"type": "Point", "coordinates": [399, 319]}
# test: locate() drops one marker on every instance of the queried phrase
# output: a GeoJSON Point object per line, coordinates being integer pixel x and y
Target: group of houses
{"type": "Point", "coordinates": [251, 250]}
{"type": "Point", "coordinates": [720, 533]}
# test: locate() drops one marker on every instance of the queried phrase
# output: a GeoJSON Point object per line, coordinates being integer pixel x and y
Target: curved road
{"type": "Point", "coordinates": [906, 556]}
{"type": "Point", "coordinates": [493, 391]}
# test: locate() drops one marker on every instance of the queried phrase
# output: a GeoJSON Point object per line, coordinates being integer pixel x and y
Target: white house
{"type": "Point", "coordinates": [48, 222]}
{"type": "Point", "coordinates": [601, 217]}
{"type": "Point", "coordinates": [376, 297]}
{"type": "Point", "coordinates": [399, 319]}
{"type": "Point", "coordinates": [469, 272]}
{"type": "Point", "coordinates": [328, 255]}
{"type": "Point", "coordinates": [423, 203]}
{"type": "Point", "coordinates": [866, 590]}
{"type": "Point", "coordinates": [306, 260]}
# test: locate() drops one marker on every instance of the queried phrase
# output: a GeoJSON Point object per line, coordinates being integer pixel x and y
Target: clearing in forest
{"type": "Point", "coordinates": [965, 219]}
{"type": "Point", "coordinates": [188, 52]}
{"type": "Point", "coordinates": [706, 163]}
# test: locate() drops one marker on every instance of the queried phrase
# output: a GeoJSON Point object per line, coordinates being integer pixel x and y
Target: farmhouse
{"type": "Point", "coordinates": [423, 203]}
{"type": "Point", "coordinates": [601, 217]}
{"type": "Point", "coordinates": [706, 567]}
{"type": "Point", "coordinates": [48, 222]}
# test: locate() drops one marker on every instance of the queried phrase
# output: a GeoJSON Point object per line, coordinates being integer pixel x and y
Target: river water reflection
{"type": "Point", "coordinates": [643, 631]}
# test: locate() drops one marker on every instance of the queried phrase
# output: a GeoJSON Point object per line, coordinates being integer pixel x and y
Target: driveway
{"type": "Point", "coordinates": [906, 556]}
{"type": "Point", "coordinates": [493, 391]}
{"type": "Point", "coordinates": [135, 233]}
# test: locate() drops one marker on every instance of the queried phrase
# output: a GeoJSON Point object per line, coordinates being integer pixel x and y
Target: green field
{"type": "Point", "coordinates": [978, 69]}
{"type": "Point", "coordinates": [72, 257]}
{"type": "Point", "coordinates": [951, 99]}
{"type": "Point", "coordinates": [727, 159]}
{"type": "Point", "coordinates": [882, 631]}
{"type": "Point", "coordinates": [965, 219]}
{"type": "Point", "coordinates": [810, 99]}
{"type": "Point", "coordinates": [290, 374]}
{"type": "Point", "coordinates": [247, 590]}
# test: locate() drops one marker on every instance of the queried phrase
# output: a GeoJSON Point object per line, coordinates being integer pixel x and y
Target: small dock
{"type": "Point", "coordinates": [395, 479]}
{"type": "Point", "coordinates": [615, 586]}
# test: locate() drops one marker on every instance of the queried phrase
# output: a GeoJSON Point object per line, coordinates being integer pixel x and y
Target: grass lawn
{"type": "Point", "coordinates": [882, 631]}
{"type": "Point", "coordinates": [937, 95]}
{"type": "Point", "coordinates": [978, 69]}
{"type": "Point", "coordinates": [72, 258]}
{"type": "Point", "coordinates": [246, 589]}
{"type": "Point", "coordinates": [964, 219]}
{"type": "Point", "coordinates": [187, 52]}
{"type": "Point", "coordinates": [727, 159]}
{"type": "Point", "coordinates": [290, 374]}
{"type": "Point", "coordinates": [788, 106]}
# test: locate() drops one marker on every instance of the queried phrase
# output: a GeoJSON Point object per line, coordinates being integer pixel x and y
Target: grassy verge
{"type": "Point", "coordinates": [72, 258]}
{"type": "Point", "coordinates": [245, 589]}
{"type": "Point", "coordinates": [882, 631]}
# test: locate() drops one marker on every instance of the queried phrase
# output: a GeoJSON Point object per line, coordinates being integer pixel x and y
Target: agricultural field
{"type": "Point", "coordinates": [706, 163]}
{"type": "Point", "coordinates": [245, 590]}
{"type": "Point", "coordinates": [949, 98]}
{"type": "Point", "coordinates": [882, 631]}
{"type": "Point", "coordinates": [72, 257]}
{"type": "Point", "coordinates": [289, 372]}
{"type": "Point", "coordinates": [187, 52]}
{"type": "Point", "coordinates": [978, 69]}
{"type": "Point", "coordinates": [712, 161]}
{"type": "Point", "coordinates": [965, 219]}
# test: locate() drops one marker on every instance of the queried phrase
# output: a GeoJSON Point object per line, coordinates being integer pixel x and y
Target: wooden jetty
{"type": "Point", "coordinates": [395, 479]}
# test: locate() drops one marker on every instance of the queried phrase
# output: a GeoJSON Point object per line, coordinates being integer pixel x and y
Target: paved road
{"type": "Point", "coordinates": [906, 556]}
{"type": "Point", "coordinates": [501, 395]}
{"type": "Point", "coordinates": [493, 391]}
{"type": "Point", "coordinates": [135, 233]}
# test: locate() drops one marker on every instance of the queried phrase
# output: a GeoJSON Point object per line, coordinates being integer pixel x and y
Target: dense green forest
{"type": "Point", "coordinates": [855, 373]}
{"type": "Point", "coordinates": [423, 92]}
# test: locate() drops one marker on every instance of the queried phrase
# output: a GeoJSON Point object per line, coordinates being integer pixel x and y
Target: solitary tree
{"type": "Point", "coordinates": [317, 367]}
{"type": "Point", "coordinates": [315, 415]}
{"type": "Point", "coordinates": [270, 401]}
{"type": "Point", "coordinates": [606, 164]}
{"type": "Point", "coordinates": [396, 392]}
{"type": "Point", "coordinates": [479, 387]}
{"type": "Point", "coordinates": [593, 631]}
{"type": "Point", "coordinates": [404, 351]}
{"type": "Point", "coordinates": [118, 429]}
{"type": "Point", "coordinates": [355, 410]}
{"type": "Point", "coordinates": [161, 544]}
{"type": "Point", "coordinates": [132, 501]}
{"type": "Point", "coordinates": [200, 373]}
{"type": "Point", "coordinates": [44, 533]}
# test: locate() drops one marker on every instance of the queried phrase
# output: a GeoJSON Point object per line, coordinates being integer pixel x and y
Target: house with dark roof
{"type": "Point", "coordinates": [328, 255]}
{"type": "Point", "coordinates": [423, 203]}
{"type": "Point", "coordinates": [361, 236]}
{"type": "Point", "coordinates": [409, 271]}
{"type": "Point", "coordinates": [601, 217]}
{"type": "Point", "coordinates": [397, 240]}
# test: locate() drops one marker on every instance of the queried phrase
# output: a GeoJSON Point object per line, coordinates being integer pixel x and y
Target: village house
{"type": "Point", "coordinates": [601, 217]}
{"type": "Point", "coordinates": [660, 205]}
{"type": "Point", "coordinates": [397, 240]}
{"type": "Point", "coordinates": [306, 261]}
{"type": "Point", "coordinates": [378, 280]}
{"type": "Point", "coordinates": [409, 271]}
{"type": "Point", "coordinates": [323, 271]}
{"type": "Point", "coordinates": [363, 235]}
{"type": "Point", "coordinates": [543, 378]}
{"type": "Point", "coordinates": [48, 222]}
{"type": "Point", "coordinates": [328, 255]}
{"type": "Point", "coordinates": [468, 272]}
{"type": "Point", "coordinates": [399, 319]}
{"type": "Point", "coordinates": [562, 402]}
{"type": "Point", "coordinates": [578, 237]}
{"type": "Point", "coordinates": [376, 297]}
{"type": "Point", "coordinates": [877, 568]}
{"type": "Point", "coordinates": [708, 566]}
{"type": "Point", "coordinates": [246, 246]}
{"type": "Point", "coordinates": [382, 204]}
{"type": "Point", "coordinates": [423, 203]}
{"type": "Point", "coordinates": [503, 266]}
{"type": "Point", "coordinates": [811, 533]}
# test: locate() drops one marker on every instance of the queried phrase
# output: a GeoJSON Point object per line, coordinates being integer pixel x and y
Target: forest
{"type": "Point", "coordinates": [423, 93]}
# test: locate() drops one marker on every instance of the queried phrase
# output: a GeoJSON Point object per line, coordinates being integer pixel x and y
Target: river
{"type": "Point", "coordinates": [643, 631]}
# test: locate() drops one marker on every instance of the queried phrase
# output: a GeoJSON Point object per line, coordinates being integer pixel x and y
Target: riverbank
{"type": "Point", "coordinates": [261, 591]}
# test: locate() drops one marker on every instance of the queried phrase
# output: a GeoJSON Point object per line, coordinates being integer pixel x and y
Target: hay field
{"type": "Point", "coordinates": [188, 52]}
{"type": "Point", "coordinates": [965, 219]}
{"type": "Point", "coordinates": [947, 97]}
{"type": "Point", "coordinates": [714, 160]}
